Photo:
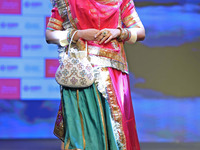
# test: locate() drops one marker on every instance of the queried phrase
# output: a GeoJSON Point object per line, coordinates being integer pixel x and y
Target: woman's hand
{"type": "Point", "coordinates": [105, 35]}
{"type": "Point", "coordinates": [87, 34]}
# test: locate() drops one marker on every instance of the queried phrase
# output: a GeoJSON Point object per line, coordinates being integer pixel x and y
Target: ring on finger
{"type": "Point", "coordinates": [105, 32]}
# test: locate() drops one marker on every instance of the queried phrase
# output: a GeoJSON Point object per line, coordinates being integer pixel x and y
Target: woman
{"type": "Point", "coordinates": [99, 117]}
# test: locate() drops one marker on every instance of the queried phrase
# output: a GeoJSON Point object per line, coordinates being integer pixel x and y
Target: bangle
{"type": "Point", "coordinates": [128, 35]}
{"type": "Point", "coordinates": [63, 41]}
{"type": "Point", "coordinates": [133, 37]}
{"type": "Point", "coordinates": [120, 38]}
{"type": "Point", "coordinates": [120, 30]}
{"type": "Point", "coordinates": [65, 38]}
{"type": "Point", "coordinates": [124, 34]}
{"type": "Point", "coordinates": [68, 35]}
{"type": "Point", "coordinates": [71, 33]}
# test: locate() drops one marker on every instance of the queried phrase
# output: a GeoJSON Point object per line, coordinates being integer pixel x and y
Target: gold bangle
{"type": "Point", "coordinates": [133, 37]}
{"type": "Point", "coordinates": [119, 37]}
{"type": "Point", "coordinates": [120, 30]}
{"type": "Point", "coordinates": [123, 34]}
{"type": "Point", "coordinates": [71, 33]}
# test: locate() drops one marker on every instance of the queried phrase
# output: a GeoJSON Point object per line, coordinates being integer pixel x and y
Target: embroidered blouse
{"type": "Point", "coordinates": [99, 14]}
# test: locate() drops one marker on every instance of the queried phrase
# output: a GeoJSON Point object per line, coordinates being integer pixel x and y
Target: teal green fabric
{"type": "Point", "coordinates": [92, 120]}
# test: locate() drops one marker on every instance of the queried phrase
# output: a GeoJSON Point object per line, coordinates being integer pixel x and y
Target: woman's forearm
{"type": "Point", "coordinates": [54, 37]}
{"type": "Point", "coordinates": [138, 32]}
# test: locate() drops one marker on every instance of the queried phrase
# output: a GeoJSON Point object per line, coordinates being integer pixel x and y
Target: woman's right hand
{"type": "Point", "coordinates": [87, 34]}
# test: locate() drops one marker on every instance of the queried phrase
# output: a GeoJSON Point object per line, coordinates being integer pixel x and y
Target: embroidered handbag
{"type": "Point", "coordinates": [75, 71]}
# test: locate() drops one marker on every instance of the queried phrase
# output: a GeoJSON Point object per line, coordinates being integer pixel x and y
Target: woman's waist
{"type": "Point", "coordinates": [113, 46]}
{"type": "Point", "coordinates": [112, 50]}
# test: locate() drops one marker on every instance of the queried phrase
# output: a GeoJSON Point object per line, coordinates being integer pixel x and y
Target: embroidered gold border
{"type": "Point", "coordinates": [105, 53]}
{"type": "Point", "coordinates": [106, 62]}
{"type": "Point", "coordinates": [127, 18]}
{"type": "Point", "coordinates": [53, 20]}
{"type": "Point", "coordinates": [59, 130]}
{"type": "Point", "coordinates": [81, 117]}
{"type": "Point", "coordinates": [54, 26]}
{"type": "Point", "coordinates": [104, 85]}
{"type": "Point", "coordinates": [131, 1]}
{"type": "Point", "coordinates": [116, 112]}
{"type": "Point", "coordinates": [67, 145]}
{"type": "Point", "coordinates": [132, 19]}
{"type": "Point", "coordinates": [130, 23]}
{"type": "Point", "coordinates": [105, 57]}
{"type": "Point", "coordinates": [72, 21]}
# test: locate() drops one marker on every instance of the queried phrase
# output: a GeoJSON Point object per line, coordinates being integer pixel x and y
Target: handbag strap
{"type": "Point", "coordinates": [71, 43]}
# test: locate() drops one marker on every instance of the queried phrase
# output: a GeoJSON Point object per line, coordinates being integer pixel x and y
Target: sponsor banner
{"type": "Point", "coordinates": [36, 7]}
{"type": "Point", "coordinates": [9, 89]}
{"type": "Point", "coordinates": [10, 46]}
{"type": "Point", "coordinates": [37, 47]}
{"type": "Point", "coordinates": [10, 7]}
{"type": "Point", "coordinates": [37, 89]}
{"type": "Point", "coordinates": [51, 66]}
{"type": "Point", "coordinates": [18, 68]}
{"type": "Point", "coordinates": [22, 26]}
{"type": "Point", "coordinates": [52, 51]}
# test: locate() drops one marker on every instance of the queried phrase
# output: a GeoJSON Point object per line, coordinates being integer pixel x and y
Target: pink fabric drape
{"type": "Point", "coordinates": [121, 85]}
{"type": "Point", "coordinates": [94, 14]}
{"type": "Point", "coordinates": [97, 15]}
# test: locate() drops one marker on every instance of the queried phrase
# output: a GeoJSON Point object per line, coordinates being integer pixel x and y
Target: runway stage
{"type": "Point", "coordinates": [53, 144]}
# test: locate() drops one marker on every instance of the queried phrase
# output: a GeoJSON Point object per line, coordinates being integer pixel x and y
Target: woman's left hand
{"type": "Point", "coordinates": [105, 35]}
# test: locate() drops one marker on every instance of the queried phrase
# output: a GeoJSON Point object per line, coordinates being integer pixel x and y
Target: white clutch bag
{"type": "Point", "coordinates": [75, 71]}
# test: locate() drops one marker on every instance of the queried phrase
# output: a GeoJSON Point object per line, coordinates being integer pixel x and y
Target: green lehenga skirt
{"type": "Point", "coordinates": [99, 117]}
{"type": "Point", "coordinates": [87, 120]}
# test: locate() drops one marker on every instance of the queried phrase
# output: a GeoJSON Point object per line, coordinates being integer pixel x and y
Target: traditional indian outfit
{"type": "Point", "coordinates": [99, 117]}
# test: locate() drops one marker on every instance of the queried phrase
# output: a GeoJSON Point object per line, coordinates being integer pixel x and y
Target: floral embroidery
{"type": "Point", "coordinates": [65, 72]}
{"type": "Point", "coordinates": [58, 74]}
{"type": "Point", "coordinates": [63, 80]}
{"type": "Point", "coordinates": [75, 61]}
{"type": "Point", "coordinates": [74, 70]}
{"type": "Point", "coordinates": [80, 66]}
{"type": "Point", "coordinates": [69, 65]}
{"type": "Point", "coordinates": [83, 81]}
{"type": "Point", "coordinates": [74, 80]}
{"type": "Point", "coordinates": [82, 73]}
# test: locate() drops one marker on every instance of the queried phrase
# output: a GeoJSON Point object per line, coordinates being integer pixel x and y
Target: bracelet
{"type": "Point", "coordinates": [68, 35]}
{"type": "Point", "coordinates": [121, 36]}
{"type": "Point", "coordinates": [65, 37]}
{"type": "Point", "coordinates": [124, 34]}
{"type": "Point", "coordinates": [71, 33]}
{"type": "Point", "coordinates": [63, 41]}
{"type": "Point", "coordinates": [133, 37]}
{"type": "Point", "coordinates": [129, 35]}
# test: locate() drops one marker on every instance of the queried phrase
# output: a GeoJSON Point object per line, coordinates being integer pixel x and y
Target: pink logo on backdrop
{"type": "Point", "coordinates": [10, 46]}
{"type": "Point", "coordinates": [51, 67]}
{"type": "Point", "coordinates": [9, 88]}
{"type": "Point", "coordinates": [10, 6]}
